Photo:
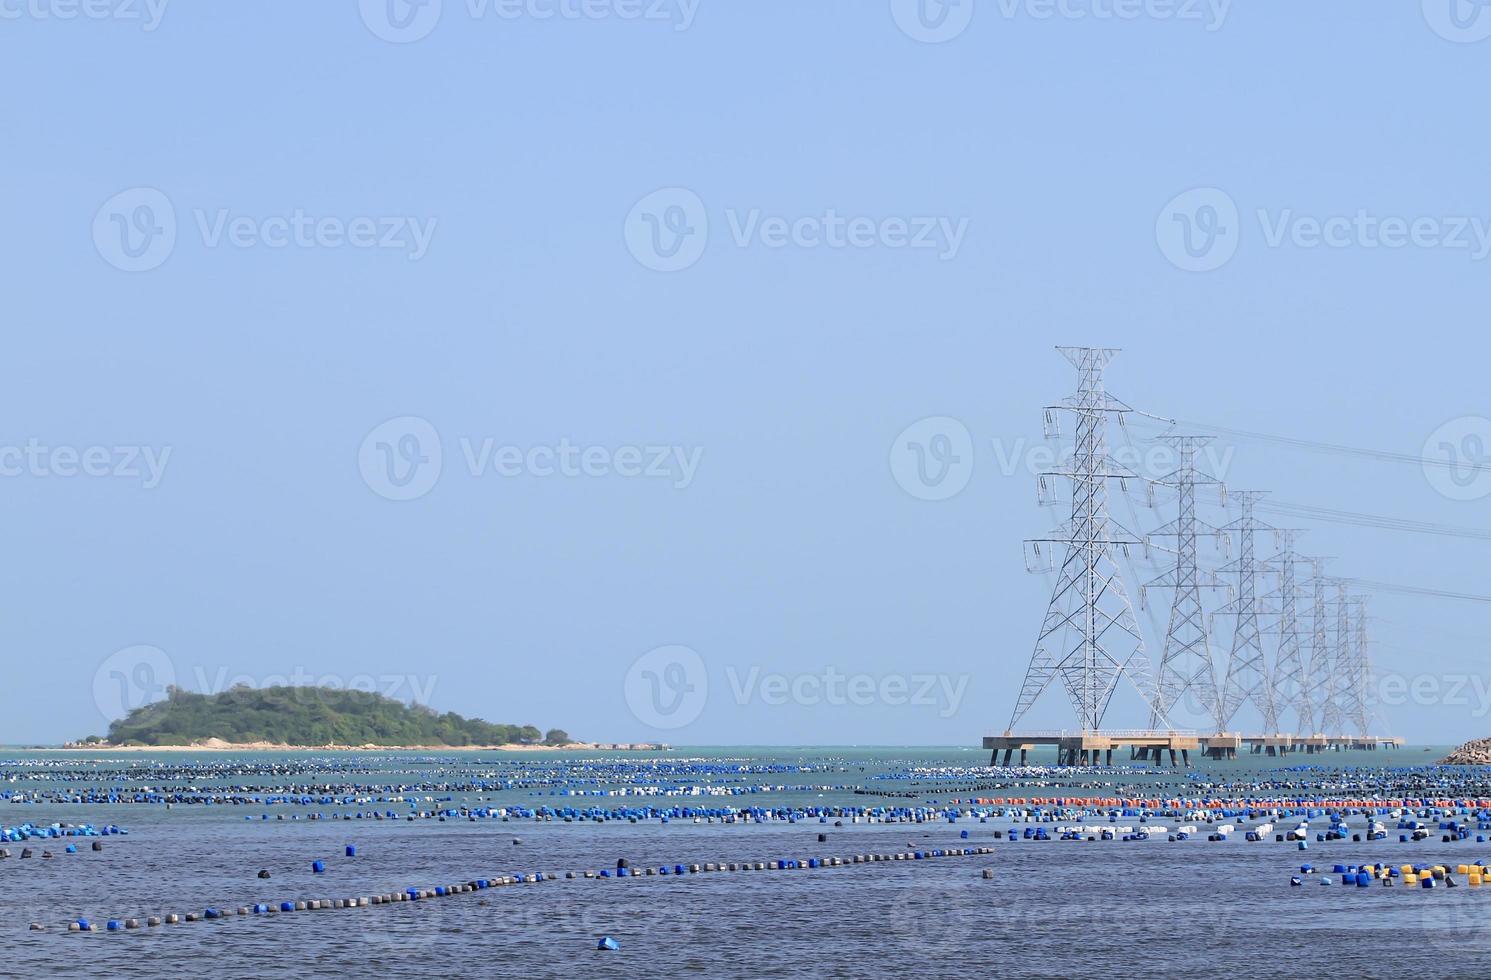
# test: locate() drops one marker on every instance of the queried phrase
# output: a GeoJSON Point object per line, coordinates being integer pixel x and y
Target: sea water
{"type": "Point", "coordinates": [1057, 909]}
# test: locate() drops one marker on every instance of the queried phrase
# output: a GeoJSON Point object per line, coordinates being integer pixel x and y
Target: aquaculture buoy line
{"type": "Point", "coordinates": [28, 832]}
{"type": "Point", "coordinates": [623, 869]}
{"type": "Point", "coordinates": [1420, 876]}
{"type": "Point", "coordinates": [376, 801]}
{"type": "Point", "coordinates": [1072, 818]}
{"type": "Point", "coordinates": [141, 782]}
{"type": "Point", "coordinates": [1049, 810]}
{"type": "Point", "coordinates": [383, 780]}
{"type": "Point", "coordinates": [56, 831]}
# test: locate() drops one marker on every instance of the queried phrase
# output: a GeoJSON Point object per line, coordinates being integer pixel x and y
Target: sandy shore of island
{"type": "Point", "coordinates": [218, 745]}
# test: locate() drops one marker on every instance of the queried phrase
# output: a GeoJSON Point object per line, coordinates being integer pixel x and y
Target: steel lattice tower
{"type": "Point", "coordinates": [1338, 709]}
{"type": "Point", "coordinates": [1321, 676]}
{"type": "Point", "coordinates": [1185, 662]}
{"type": "Point", "coordinates": [1089, 637]}
{"type": "Point", "coordinates": [1248, 676]}
{"type": "Point", "coordinates": [1359, 712]}
{"type": "Point", "coordinates": [1290, 685]}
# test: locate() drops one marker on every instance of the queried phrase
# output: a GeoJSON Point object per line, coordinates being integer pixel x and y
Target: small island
{"type": "Point", "coordinates": [297, 717]}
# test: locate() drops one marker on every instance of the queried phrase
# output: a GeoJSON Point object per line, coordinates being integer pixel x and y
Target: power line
{"type": "Point", "coordinates": [1422, 627]}
{"type": "Point", "coordinates": [1416, 590]}
{"type": "Point", "coordinates": [1310, 512]}
{"type": "Point", "coordinates": [1089, 601]}
{"type": "Point", "coordinates": [1312, 445]}
{"type": "Point", "coordinates": [1330, 515]}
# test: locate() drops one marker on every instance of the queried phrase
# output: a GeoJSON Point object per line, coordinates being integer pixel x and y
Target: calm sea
{"type": "Point", "coordinates": [1058, 909]}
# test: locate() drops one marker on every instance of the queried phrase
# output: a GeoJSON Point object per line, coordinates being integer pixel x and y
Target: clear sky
{"type": "Point", "coordinates": [267, 264]}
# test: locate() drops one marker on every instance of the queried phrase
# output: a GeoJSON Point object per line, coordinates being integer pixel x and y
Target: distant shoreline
{"type": "Point", "coordinates": [218, 745]}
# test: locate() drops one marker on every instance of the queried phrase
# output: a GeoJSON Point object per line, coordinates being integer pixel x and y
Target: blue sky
{"type": "Point", "coordinates": [662, 285]}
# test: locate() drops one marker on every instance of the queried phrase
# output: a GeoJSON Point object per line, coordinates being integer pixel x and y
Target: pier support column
{"type": "Point", "coordinates": [1185, 755]}
{"type": "Point", "coordinates": [1110, 757]}
{"type": "Point", "coordinates": [1022, 757]}
{"type": "Point", "coordinates": [1172, 757]}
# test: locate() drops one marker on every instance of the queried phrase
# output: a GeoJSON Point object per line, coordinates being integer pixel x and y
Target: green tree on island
{"type": "Point", "coordinates": [309, 716]}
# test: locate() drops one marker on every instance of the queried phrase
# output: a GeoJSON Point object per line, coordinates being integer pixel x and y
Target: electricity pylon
{"type": "Point", "coordinates": [1185, 661]}
{"type": "Point", "coordinates": [1248, 677]}
{"type": "Point", "coordinates": [1320, 674]}
{"type": "Point", "coordinates": [1089, 638]}
{"type": "Point", "coordinates": [1338, 704]}
{"type": "Point", "coordinates": [1290, 685]}
{"type": "Point", "coordinates": [1359, 673]}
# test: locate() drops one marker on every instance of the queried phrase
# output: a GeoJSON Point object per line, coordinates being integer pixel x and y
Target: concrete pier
{"type": "Point", "coordinates": [1091, 748]}
{"type": "Point", "coordinates": [1227, 745]}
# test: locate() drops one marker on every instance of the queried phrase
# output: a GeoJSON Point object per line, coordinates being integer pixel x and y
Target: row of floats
{"type": "Point", "coordinates": [1219, 832]}
{"type": "Point", "coordinates": [1166, 804]}
{"type": "Point", "coordinates": [1338, 828]}
{"type": "Point", "coordinates": [623, 869]}
{"type": "Point", "coordinates": [1411, 875]}
{"type": "Point", "coordinates": [29, 832]}
{"type": "Point", "coordinates": [1215, 825]}
{"type": "Point", "coordinates": [932, 812]}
